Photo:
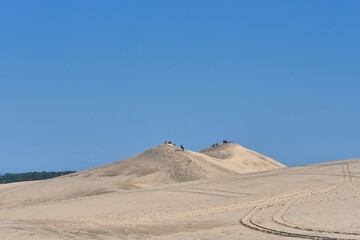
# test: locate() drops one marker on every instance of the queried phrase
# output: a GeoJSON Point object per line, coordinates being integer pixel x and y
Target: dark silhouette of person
{"type": "Point", "coordinates": [182, 148]}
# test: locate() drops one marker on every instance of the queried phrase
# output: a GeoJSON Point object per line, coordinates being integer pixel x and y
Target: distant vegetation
{"type": "Point", "coordinates": [30, 176]}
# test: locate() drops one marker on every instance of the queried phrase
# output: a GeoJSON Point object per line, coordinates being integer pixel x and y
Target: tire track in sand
{"type": "Point", "coordinates": [347, 173]}
{"type": "Point", "coordinates": [248, 220]}
{"type": "Point", "coordinates": [279, 216]}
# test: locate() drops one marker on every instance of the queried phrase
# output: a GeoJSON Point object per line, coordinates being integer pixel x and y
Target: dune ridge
{"type": "Point", "coordinates": [308, 202]}
{"type": "Point", "coordinates": [166, 163]}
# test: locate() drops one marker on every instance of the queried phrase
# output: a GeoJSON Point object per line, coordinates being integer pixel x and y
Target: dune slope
{"type": "Point", "coordinates": [167, 164]}
{"type": "Point", "coordinates": [241, 159]}
{"type": "Point", "coordinates": [309, 202]}
{"type": "Point", "coordinates": [163, 164]}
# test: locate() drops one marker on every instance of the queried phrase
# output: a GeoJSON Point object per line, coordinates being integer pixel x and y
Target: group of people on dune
{"type": "Point", "coordinates": [171, 143]}
{"type": "Point", "coordinates": [183, 148]}
{"type": "Point", "coordinates": [217, 144]}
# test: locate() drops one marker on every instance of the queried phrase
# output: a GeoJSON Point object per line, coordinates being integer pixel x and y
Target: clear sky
{"type": "Point", "coordinates": [84, 83]}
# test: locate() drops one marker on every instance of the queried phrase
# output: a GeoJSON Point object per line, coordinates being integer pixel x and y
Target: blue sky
{"type": "Point", "coordinates": [84, 83]}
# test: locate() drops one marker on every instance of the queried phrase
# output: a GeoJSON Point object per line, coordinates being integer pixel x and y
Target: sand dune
{"type": "Point", "coordinates": [312, 202]}
{"type": "Point", "coordinates": [166, 163]}
{"type": "Point", "coordinates": [240, 159]}
{"type": "Point", "coordinates": [163, 164]}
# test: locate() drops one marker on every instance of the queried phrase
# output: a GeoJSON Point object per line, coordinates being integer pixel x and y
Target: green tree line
{"type": "Point", "coordinates": [30, 176]}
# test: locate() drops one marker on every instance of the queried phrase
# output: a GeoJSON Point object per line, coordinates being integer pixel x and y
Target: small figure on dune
{"type": "Point", "coordinates": [182, 148]}
{"type": "Point", "coordinates": [169, 142]}
{"type": "Point", "coordinates": [225, 142]}
{"type": "Point", "coordinates": [215, 144]}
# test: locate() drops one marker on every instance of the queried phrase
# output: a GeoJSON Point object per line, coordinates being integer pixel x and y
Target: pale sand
{"type": "Point", "coordinates": [316, 202]}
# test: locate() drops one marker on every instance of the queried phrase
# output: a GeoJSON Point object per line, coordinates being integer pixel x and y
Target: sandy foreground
{"type": "Point", "coordinates": [315, 202]}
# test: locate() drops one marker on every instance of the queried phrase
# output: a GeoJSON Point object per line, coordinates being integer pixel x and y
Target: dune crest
{"type": "Point", "coordinates": [241, 159]}
{"type": "Point", "coordinates": [308, 202]}
{"type": "Point", "coordinates": [166, 163]}
{"type": "Point", "coordinates": [161, 165]}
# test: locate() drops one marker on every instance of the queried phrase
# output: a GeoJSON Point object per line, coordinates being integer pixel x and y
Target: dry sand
{"type": "Point", "coordinates": [315, 202]}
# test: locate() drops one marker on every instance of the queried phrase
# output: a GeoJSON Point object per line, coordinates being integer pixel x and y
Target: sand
{"type": "Point", "coordinates": [314, 202]}
{"type": "Point", "coordinates": [166, 164]}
